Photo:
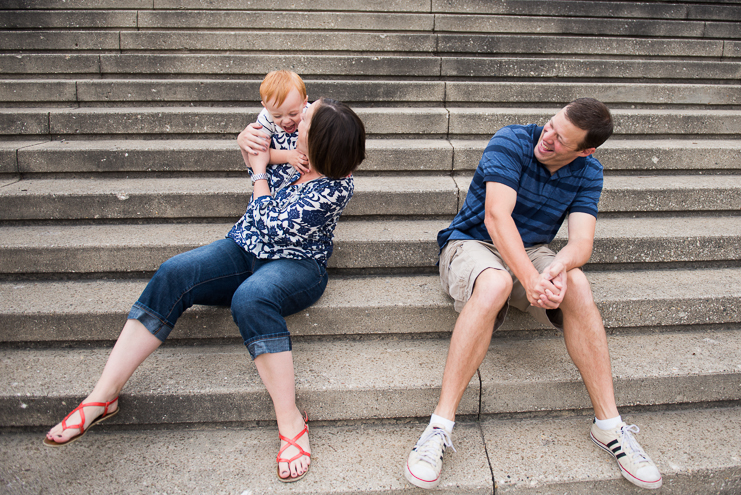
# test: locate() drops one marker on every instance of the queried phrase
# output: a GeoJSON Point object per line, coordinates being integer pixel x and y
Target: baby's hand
{"type": "Point", "coordinates": [299, 161]}
{"type": "Point", "coordinates": [252, 140]}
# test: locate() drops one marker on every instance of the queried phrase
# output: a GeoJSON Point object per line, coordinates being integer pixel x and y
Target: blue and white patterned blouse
{"type": "Point", "coordinates": [297, 221]}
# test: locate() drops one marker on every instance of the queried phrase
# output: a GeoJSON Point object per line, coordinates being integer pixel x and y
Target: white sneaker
{"type": "Point", "coordinates": [426, 458]}
{"type": "Point", "coordinates": [635, 465]}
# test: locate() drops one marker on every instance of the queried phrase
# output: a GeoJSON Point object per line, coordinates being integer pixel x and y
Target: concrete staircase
{"type": "Point", "coordinates": [118, 123]}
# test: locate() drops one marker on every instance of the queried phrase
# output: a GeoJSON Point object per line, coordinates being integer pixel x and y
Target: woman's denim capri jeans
{"type": "Point", "coordinates": [260, 292]}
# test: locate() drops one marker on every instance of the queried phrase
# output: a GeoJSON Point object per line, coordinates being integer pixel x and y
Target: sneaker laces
{"type": "Point", "coordinates": [428, 445]}
{"type": "Point", "coordinates": [627, 439]}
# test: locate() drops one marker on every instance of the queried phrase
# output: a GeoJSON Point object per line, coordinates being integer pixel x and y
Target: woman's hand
{"type": "Point", "coordinates": [299, 161]}
{"type": "Point", "coordinates": [252, 140]}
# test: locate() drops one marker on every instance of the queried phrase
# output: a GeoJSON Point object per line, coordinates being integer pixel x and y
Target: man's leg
{"type": "Point", "coordinates": [468, 346]}
{"type": "Point", "coordinates": [471, 337]}
{"type": "Point", "coordinates": [586, 343]}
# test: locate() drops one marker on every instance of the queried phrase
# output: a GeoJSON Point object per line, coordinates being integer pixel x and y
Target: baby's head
{"type": "Point", "coordinates": [283, 95]}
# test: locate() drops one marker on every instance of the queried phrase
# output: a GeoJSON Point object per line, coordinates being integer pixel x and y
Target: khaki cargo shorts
{"type": "Point", "coordinates": [461, 262]}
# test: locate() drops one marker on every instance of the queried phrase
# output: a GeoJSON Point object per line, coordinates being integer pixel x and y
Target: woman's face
{"type": "Point", "coordinates": [303, 129]}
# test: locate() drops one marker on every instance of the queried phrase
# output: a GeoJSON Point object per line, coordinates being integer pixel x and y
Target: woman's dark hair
{"type": "Point", "coordinates": [592, 116]}
{"type": "Point", "coordinates": [336, 139]}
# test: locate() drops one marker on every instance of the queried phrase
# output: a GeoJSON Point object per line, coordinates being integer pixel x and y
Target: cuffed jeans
{"type": "Point", "coordinates": [260, 292]}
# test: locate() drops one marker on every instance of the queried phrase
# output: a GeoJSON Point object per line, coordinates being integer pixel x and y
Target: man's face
{"type": "Point", "coordinates": [287, 115]}
{"type": "Point", "coordinates": [559, 142]}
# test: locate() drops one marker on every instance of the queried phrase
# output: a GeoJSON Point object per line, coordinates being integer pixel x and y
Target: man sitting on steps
{"type": "Point", "coordinates": [495, 254]}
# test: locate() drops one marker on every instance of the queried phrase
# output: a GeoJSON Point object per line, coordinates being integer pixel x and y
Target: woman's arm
{"type": "Point", "coordinates": [252, 140]}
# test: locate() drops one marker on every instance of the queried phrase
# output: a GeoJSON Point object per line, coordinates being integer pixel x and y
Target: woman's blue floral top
{"type": "Point", "coordinates": [297, 221]}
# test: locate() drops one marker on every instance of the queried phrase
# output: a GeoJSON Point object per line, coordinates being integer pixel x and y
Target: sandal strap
{"type": "Point", "coordinates": [289, 442]}
{"type": "Point", "coordinates": [81, 408]}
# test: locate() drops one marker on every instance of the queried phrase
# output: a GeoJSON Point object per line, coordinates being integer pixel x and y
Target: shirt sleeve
{"type": "Point", "coordinates": [502, 159]}
{"type": "Point", "coordinates": [587, 198]}
{"type": "Point", "coordinates": [301, 215]}
{"type": "Point", "coordinates": [266, 121]}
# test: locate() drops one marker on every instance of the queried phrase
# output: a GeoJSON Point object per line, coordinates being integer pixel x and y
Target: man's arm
{"type": "Point", "coordinates": [578, 249]}
{"type": "Point", "coordinates": [544, 290]}
{"type": "Point", "coordinates": [574, 254]}
{"type": "Point", "coordinates": [500, 202]}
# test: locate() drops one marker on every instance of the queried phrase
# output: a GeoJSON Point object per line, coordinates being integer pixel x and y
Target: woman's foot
{"type": "Point", "coordinates": [292, 434]}
{"type": "Point", "coordinates": [76, 424]}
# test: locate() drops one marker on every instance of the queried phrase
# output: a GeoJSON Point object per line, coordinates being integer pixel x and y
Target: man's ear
{"type": "Point", "coordinates": [263, 104]}
{"type": "Point", "coordinates": [587, 151]}
{"type": "Point", "coordinates": [306, 100]}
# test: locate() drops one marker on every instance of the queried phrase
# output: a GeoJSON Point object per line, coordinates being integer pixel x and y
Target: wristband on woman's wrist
{"type": "Point", "coordinates": [256, 177]}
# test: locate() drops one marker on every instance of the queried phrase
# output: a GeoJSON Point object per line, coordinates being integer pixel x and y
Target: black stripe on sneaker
{"type": "Point", "coordinates": [616, 449]}
{"type": "Point", "coordinates": [612, 443]}
{"type": "Point", "coordinates": [621, 454]}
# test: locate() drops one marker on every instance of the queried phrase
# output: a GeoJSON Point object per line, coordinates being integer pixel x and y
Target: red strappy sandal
{"type": "Point", "coordinates": [301, 452]}
{"type": "Point", "coordinates": [81, 426]}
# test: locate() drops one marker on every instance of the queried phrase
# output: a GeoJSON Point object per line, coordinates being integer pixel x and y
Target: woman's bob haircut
{"type": "Point", "coordinates": [336, 139]}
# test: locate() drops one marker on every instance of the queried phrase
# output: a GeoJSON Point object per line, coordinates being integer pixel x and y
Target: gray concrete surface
{"type": "Point", "coordinates": [589, 68]}
{"type": "Point", "coordinates": [670, 72]}
{"type": "Point", "coordinates": [342, 381]}
{"type": "Point", "coordinates": [647, 369]}
{"type": "Point", "coordinates": [627, 121]}
{"type": "Point", "coordinates": [358, 244]}
{"type": "Point", "coordinates": [206, 197]}
{"type": "Point", "coordinates": [205, 155]}
{"type": "Point", "coordinates": [364, 459]}
{"type": "Point", "coordinates": [694, 451]}
{"type": "Point", "coordinates": [50, 311]}
{"type": "Point", "coordinates": [648, 155]}
{"type": "Point", "coordinates": [259, 65]}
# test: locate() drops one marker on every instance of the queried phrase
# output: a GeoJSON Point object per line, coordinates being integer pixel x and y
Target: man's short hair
{"type": "Point", "coordinates": [277, 85]}
{"type": "Point", "coordinates": [592, 116]}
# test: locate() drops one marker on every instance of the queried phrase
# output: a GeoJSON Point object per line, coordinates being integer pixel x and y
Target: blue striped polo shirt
{"type": "Point", "coordinates": [543, 200]}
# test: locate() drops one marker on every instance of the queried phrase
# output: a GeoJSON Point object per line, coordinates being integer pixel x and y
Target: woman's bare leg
{"type": "Point", "coordinates": [276, 371]}
{"type": "Point", "coordinates": [133, 346]}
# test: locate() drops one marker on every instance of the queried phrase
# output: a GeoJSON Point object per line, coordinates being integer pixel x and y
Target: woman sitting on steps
{"type": "Point", "coordinates": [271, 264]}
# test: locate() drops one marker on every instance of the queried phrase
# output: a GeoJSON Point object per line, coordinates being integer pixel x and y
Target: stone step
{"type": "Point", "coordinates": [368, 21]}
{"type": "Point", "coordinates": [388, 155]}
{"type": "Point", "coordinates": [385, 244]}
{"type": "Point", "coordinates": [352, 459]}
{"type": "Point", "coordinates": [202, 155]}
{"type": "Point", "coordinates": [649, 194]}
{"type": "Point", "coordinates": [521, 456]}
{"type": "Point", "coordinates": [201, 197]}
{"type": "Point", "coordinates": [421, 66]}
{"type": "Point", "coordinates": [356, 380]}
{"type": "Point", "coordinates": [81, 311]}
{"type": "Point", "coordinates": [389, 122]}
{"type": "Point", "coordinates": [631, 69]}
{"type": "Point", "coordinates": [629, 155]}
{"type": "Point", "coordinates": [720, 10]}
{"type": "Point", "coordinates": [208, 92]}
{"type": "Point", "coordinates": [633, 122]}
{"type": "Point", "coordinates": [604, 25]}
{"type": "Point", "coordinates": [318, 41]}
{"type": "Point", "coordinates": [370, 379]}
{"type": "Point", "coordinates": [561, 458]}
{"type": "Point", "coordinates": [227, 198]}
{"type": "Point", "coordinates": [628, 10]}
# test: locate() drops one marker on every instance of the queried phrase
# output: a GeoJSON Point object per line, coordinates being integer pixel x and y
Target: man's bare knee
{"type": "Point", "coordinates": [578, 292]}
{"type": "Point", "coordinates": [492, 288]}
